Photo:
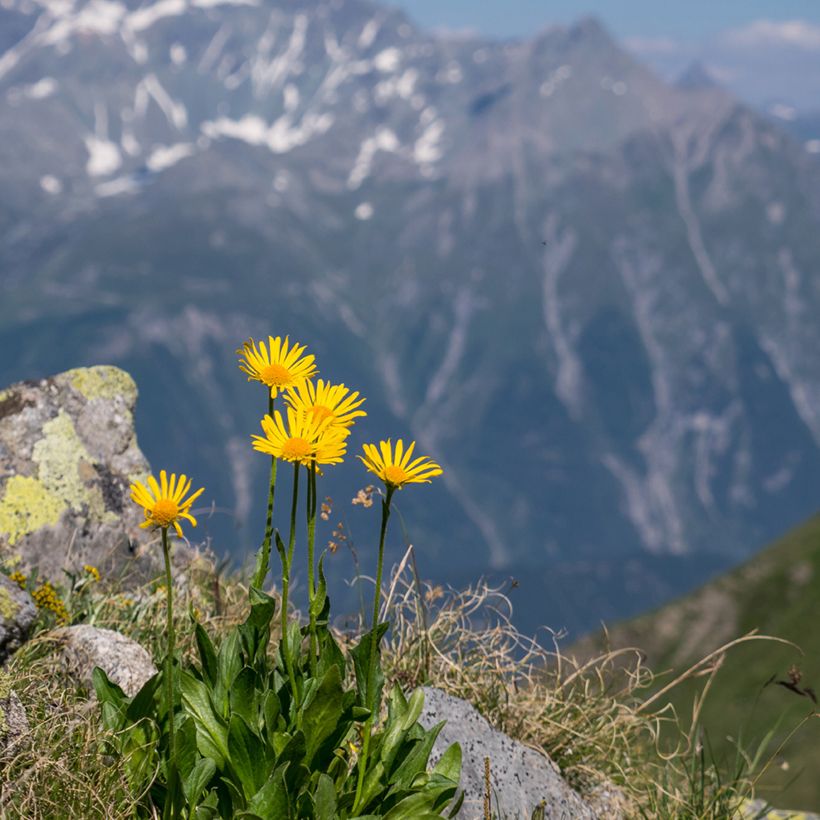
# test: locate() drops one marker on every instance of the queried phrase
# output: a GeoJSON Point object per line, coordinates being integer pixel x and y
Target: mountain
{"type": "Point", "coordinates": [778, 593]}
{"type": "Point", "coordinates": [589, 294]}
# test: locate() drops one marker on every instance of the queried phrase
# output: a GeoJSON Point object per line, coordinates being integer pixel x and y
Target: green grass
{"type": "Point", "coordinates": [777, 593]}
{"type": "Point", "coordinates": [591, 719]}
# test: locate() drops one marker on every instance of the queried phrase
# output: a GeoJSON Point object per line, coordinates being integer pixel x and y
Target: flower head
{"type": "Point", "coordinates": [165, 502]}
{"type": "Point", "coordinates": [278, 366]}
{"type": "Point", "coordinates": [324, 400]}
{"type": "Point", "coordinates": [306, 439]}
{"type": "Point", "coordinates": [396, 469]}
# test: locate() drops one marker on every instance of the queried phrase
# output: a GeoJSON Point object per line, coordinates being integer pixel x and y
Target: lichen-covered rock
{"type": "Point", "coordinates": [13, 720]}
{"type": "Point", "coordinates": [68, 452]}
{"type": "Point", "coordinates": [522, 780]}
{"type": "Point", "coordinates": [17, 614]}
{"type": "Point", "coordinates": [83, 647]}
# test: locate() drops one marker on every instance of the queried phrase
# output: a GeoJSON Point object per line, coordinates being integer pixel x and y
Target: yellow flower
{"type": "Point", "coordinates": [92, 571]}
{"type": "Point", "coordinates": [306, 439]}
{"type": "Point", "coordinates": [396, 469]}
{"type": "Point", "coordinates": [18, 578]}
{"type": "Point", "coordinates": [326, 401]}
{"type": "Point", "coordinates": [46, 597]}
{"type": "Point", "coordinates": [278, 366]}
{"type": "Point", "coordinates": [165, 503]}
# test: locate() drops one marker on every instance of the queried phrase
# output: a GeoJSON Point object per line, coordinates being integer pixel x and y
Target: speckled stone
{"type": "Point", "coordinates": [14, 725]}
{"type": "Point", "coordinates": [17, 614]}
{"type": "Point", "coordinates": [522, 779]}
{"type": "Point", "coordinates": [68, 453]}
{"type": "Point", "coordinates": [125, 661]}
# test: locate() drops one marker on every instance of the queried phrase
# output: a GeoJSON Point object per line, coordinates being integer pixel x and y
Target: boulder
{"type": "Point", "coordinates": [14, 723]}
{"type": "Point", "coordinates": [68, 453]}
{"type": "Point", "coordinates": [83, 647]}
{"type": "Point", "coordinates": [522, 779]}
{"type": "Point", "coordinates": [17, 614]}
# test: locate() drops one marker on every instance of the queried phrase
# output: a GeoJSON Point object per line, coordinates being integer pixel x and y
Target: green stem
{"type": "Point", "coordinates": [263, 559]}
{"type": "Point", "coordinates": [286, 565]}
{"type": "Point", "coordinates": [311, 528]}
{"type": "Point", "coordinates": [371, 683]}
{"type": "Point", "coordinates": [169, 678]}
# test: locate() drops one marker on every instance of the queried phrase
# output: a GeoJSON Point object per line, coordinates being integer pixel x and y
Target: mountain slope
{"type": "Point", "coordinates": [777, 593]}
{"type": "Point", "coordinates": [587, 293]}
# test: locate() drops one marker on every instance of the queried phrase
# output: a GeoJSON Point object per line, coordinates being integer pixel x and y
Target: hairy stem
{"type": "Point", "coordinates": [371, 683]}
{"type": "Point", "coordinates": [287, 560]}
{"type": "Point", "coordinates": [170, 805]}
{"type": "Point", "coordinates": [311, 528]}
{"type": "Point", "coordinates": [263, 558]}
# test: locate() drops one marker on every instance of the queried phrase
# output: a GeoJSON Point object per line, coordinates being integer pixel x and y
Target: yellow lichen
{"type": "Point", "coordinates": [102, 382]}
{"type": "Point", "coordinates": [26, 506]}
{"type": "Point", "coordinates": [58, 455]}
{"type": "Point", "coordinates": [8, 606]}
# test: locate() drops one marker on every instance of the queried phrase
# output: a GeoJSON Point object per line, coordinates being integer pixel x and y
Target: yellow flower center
{"type": "Point", "coordinates": [321, 412]}
{"type": "Point", "coordinates": [395, 475]}
{"type": "Point", "coordinates": [296, 449]}
{"type": "Point", "coordinates": [164, 512]}
{"type": "Point", "coordinates": [275, 375]}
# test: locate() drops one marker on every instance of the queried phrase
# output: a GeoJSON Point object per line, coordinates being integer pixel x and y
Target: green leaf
{"type": "Point", "coordinates": [211, 729]}
{"type": "Point", "coordinates": [361, 658]}
{"type": "Point", "coordinates": [143, 704]}
{"type": "Point", "coordinates": [207, 654]}
{"type": "Point", "coordinates": [271, 709]}
{"type": "Point", "coordinates": [317, 607]}
{"type": "Point", "coordinates": [321, 713]}
{"type": "Point", "coordinates": [325, 798]}
{"type": "Point", "coordinates": [107, 691]}
{"type": "Point", "coordinates": [243, 696]}
{"type": "Point", "coordinates": [255, 632]}
{"type": "Point", "coordinates": [246, 756]}
{"type": "Point", "coordinates": [414, 707]}
{"type": "Point", "coordinates": [271, 802]}
{"type": "Point", "coordinates": [187, 751]}
{"type": "Point", "coordinates": [449, 765]}
{"type": "Point", "coordinates": [329, 652]}
{"type": "Point", "coordinates": [198, 778]}
{"type": "Point", "coordinates": [229, 664]}
{"type": "Point", "coordinates": [415, 762]}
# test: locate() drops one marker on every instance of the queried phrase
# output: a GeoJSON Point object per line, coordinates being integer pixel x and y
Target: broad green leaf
{"type": "Point", "coordinates": [245, 756]}
{"type": "Point", "coordinates": [324, 798]}
{"type": "Point", "coordinates": [450, 764]}
{"type": "Point", "coordinates": [187, 753]}
{"type": "Point", "coordinates": [322, 712]}
{"type": "Point", "coordinates": [198, 778]}
{"type": "Point", "coordinates": [375, 782]}
{"type": "Point", "coordinates": [143, 704]}
{"type": "Point", "coordinates": [414, 707]}
{"type": "Point", "coordinates": [207, 654]}
{"type": "Point", "coordinates": [107, 691]}
{"type": "Point", "coordinates": [415, 762]}
{"type": "Point", "coordinates": [243, 696]}
{"type": "Point", "coordinates": [211, 729]}
{"type": "Point", "coordinates": [271, 709]}
{"type": "Point", "coordinates": [369, 697]}
{"type": "Point", "coordinates": [229, 663]}
{"type": "Point", "coordinates": [271, 801]}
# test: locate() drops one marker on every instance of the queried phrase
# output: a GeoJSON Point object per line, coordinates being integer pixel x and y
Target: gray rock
{"type": "Point", "coordinates": [17, 614]}
{"type": "Point", "coordinates": [125, 662]}
{"type": "Point", "coordinates": [14, 724]}
{"type": "Point", "coordinates": [68, 453]}
{"type": "Point", "coordinates": [522, 779]}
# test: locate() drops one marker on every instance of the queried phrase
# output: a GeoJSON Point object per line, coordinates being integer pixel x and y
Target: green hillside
{"type": "Point", "coordinates": [777, 593]}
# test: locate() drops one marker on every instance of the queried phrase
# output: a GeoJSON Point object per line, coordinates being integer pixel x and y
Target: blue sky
{"type": "Point", "coordinates": [762, 50]}
{"type": "Point", "coordinates": [687, 19]}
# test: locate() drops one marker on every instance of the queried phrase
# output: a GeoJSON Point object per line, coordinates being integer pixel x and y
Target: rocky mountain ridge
{"type": "Point", "coordinates": [587, 292]}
